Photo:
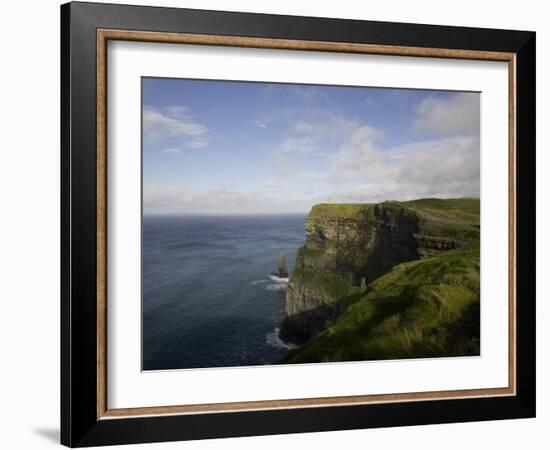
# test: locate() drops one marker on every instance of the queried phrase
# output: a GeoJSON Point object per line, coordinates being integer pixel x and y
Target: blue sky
{"type": "Point", "coordinates": [219, 147]}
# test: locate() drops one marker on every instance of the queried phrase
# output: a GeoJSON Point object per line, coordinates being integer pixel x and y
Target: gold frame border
{"type": "Point", "coordinates": [103, 36]}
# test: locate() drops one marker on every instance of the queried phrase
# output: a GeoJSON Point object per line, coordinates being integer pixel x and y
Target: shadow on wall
{"type": "Point", "coordinates": [49, 434]}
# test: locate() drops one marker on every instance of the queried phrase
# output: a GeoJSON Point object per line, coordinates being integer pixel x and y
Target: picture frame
{"type": "Point", "coordinates": [86, 418]}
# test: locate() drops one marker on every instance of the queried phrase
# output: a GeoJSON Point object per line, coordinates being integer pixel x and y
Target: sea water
{"type": "Point", "coordinates": [209, 296]}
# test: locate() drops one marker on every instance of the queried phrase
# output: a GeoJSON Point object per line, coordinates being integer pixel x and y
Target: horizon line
{"type": "Point", "coordinates": [199, 214]}
{"type": "Point", "coordinates": [279, 213]}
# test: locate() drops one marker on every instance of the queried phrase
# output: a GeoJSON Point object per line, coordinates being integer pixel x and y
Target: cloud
{"type": "Point", "coordinates": [307, 135]}
{"type": "Point", "coordinates": [361, 158]}
{"type": "Point", "coordinates": [173, 121]}
{"type": "Point", "coordinates": [302, 144]}
{"type": "Point", "coordinates": [362, 171]}
{"type": "Point", "coordinates": [276, 184]}
{"type": "Point", "coordinates": [356, 167]}
{"type": "Point", "coordinates": [325, 124]}
{"type": "Point", "coordinates": [158, 199]}
{"type": "Point", "coordinates": [313, 175]}
{"type": "Point", "coordinates": [159, 195]}
{"type": "Point", "coordinates": [198, 142]}
{"type": "Point", "coordinates": [171, 151]}
{"type": "Point", "coordinates": [305, 92]}
{"type": "Point", "coordinates": [443, 164]}
{"type": "Point", "coordinates": [458, 114]}
{"type": "Point", "coordinates": [356, 163]}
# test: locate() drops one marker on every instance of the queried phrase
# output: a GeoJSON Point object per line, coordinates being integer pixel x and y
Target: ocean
{"type": "Point", "coordinates": [209, 299]}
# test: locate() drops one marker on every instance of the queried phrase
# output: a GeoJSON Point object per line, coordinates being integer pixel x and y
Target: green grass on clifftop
{"type": "Point", "coordinates": [338, 210]}
{"type": "Point", "coordinates": [456, 218]}
{"type": "Point", "coordinates": [449, 209]}
{"type": "Point", "coordinates": [419, 309]}
{"type": "Point", "coordinates": [456, 208]}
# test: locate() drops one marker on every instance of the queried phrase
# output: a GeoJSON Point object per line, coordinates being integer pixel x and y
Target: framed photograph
{"type": "Point", "coordinates": [276, 224]}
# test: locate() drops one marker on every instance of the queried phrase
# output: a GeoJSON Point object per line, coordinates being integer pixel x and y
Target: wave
{"type": "Point", "coordinates": [273, 283]}
{"type": "Point", "coordinates": [276, 287]}
{"type": "Point", "coordinates": [274, 340]}
{"type": "Point", "coordinates": [278, 279]}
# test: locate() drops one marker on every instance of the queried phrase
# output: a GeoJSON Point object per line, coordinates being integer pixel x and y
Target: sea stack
{"type": "Point", "coordinates": [283, 272]}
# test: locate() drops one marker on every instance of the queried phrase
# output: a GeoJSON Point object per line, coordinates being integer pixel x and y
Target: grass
{"type": "Point", "coordinates": [464, 208]}
{"type": "Point", "coordinates": [339, 210]}
{"type": "Point", "coordinates": [311, 253]}
{"type": "Point", "coordinates": [424, 308]}
{"type": "Point", "coordinates": [331, 284]}
{"type": "Point", "coordinates": [453, 218]}
{"type": "Point", "coordinates": [449, 218]}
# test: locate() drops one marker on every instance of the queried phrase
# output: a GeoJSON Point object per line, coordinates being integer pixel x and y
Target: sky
{"type": "Point", "coordinates": [224, 147]}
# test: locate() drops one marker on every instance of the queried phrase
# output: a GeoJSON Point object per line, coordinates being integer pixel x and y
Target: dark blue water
{"type": "Point", "coordinates": [208, 299]}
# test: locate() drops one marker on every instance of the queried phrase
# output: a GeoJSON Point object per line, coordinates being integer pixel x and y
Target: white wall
{"type": "Point", "coordinates": [29, 242]}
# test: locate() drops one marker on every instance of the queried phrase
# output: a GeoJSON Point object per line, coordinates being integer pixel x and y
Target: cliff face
{"type": "Point", "coordinates": [420, 309]}
{"type": "Point", "coordinates": [363, 242]}
{"type": "Point", "coordinates": [348, 246]}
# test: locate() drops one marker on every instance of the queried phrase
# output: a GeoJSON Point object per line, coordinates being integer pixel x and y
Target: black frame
{"type": "Point", "coordinates": [79, 423]}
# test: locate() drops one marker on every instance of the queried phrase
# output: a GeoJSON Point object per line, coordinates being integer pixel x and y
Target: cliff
{"type": "Point", "coordinates": [348, 246]}
{"type": "Point", "coordinates": [419, 309]}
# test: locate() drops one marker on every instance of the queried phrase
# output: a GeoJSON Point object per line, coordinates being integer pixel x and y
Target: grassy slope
{"type": "Point", "coordinates": [452, 218]}
{"type": "Point", "coordinates": [423, 308]}
{"type": "Point", "coordinates": [456, 208]}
